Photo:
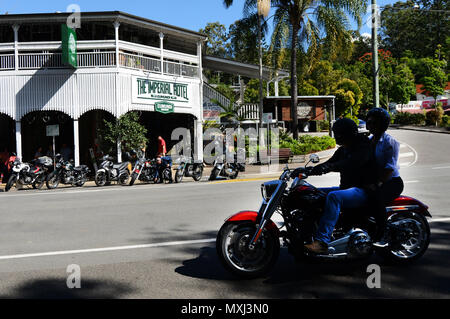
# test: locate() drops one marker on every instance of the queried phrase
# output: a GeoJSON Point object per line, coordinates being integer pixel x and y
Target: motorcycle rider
{"type": "Point", "coordinates": [389, 184]}
{"type": "Point", "coordinates": [354, 160]}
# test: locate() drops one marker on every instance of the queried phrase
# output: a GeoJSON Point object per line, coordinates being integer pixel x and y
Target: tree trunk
{"type": "Point", "coordinates": [294, 98]}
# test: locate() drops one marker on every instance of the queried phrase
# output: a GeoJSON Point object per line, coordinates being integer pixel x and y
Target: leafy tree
{"type": "Point", "coordinates": [306, 88]}
{"type": "Point", "coordinates": [299, 25]}
{"type": "Point", "coordinates": [324, 77]}
{"type": "Point", "coordinates": [251, 93]}
{"type": "Point", "coordinates": [403, 87]}
{"type": "Point", "coordinates": [435, 77]}
{"type": "Point", "coordinates": [348, 99]}
{"type": "Point", "coordinates": [243, 42]}
{"type": "Point", "coordinates": [358, 73]}
{"type": "Point", "coordinates": [419, 30]}
{"type": "Point", "coordinates": [127, 130]}
{"type": "Point", "coordinates": [217, 43]}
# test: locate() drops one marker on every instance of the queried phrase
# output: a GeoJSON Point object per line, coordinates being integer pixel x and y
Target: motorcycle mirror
{"type": "Point", "coordinates": [314, 158]}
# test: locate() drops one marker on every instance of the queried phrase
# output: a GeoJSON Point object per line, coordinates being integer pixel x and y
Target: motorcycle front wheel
{"type": "Point", "coordinates": [178, 176]}
{"type": "Point", "coordinates": [52, 180]}
{"type": "Point", "coordinates": [10, 183]}
{"type": "Point", "coordinates": [235, 255]}
{"type": "Point", "coordinates": [133, 178]}
{"type": "Point", "coordinates": [234, 174]}
{"type": "Point", "coordinates": [214, 174]}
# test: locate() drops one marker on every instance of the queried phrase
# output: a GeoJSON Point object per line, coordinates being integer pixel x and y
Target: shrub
{"type": "Point", "coordinates": [434, 117]}
{"type": "Point", "coordinates": [405, 118]}
{"type": "Point", "coordinates": [445, 121]}
{"type": "Point", "coordinates": [308, 144]}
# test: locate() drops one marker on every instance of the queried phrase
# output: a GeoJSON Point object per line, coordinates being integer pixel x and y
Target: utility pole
{"type": "Point", "coordinates": [376, 89]}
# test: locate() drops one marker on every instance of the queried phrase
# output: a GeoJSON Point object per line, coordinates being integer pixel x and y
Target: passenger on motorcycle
{"type": "Point", "coordinates": [162, 162]}
{"type": "Point", "coordinates": [354, 161]}
{"type": "Point", "coordinates": [389, 184]}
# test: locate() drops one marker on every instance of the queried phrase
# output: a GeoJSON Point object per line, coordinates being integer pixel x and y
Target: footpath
{"type": "Point", "coordinates": [434, 129]}
{"type": "Point", "coordinates": [260, 171]}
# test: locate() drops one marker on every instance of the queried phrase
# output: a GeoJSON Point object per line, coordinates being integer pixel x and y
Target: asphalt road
{"type": "Point", "coordinates": [157, 241]}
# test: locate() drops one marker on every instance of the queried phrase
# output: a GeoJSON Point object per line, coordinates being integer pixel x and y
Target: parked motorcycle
{"type": "Point", "coordinates": [34, 173]}
{"type": "Point", "coordinates": [66, 173]}
{"type": "Point", "coordinates": [188, 168]}
{"type": "Point", "coordinates": [109, 171]}
{"type": "Point", "coordinates": [144, 170]}
{"type": "Point", "coordinates": [225, 169]}
{"type": "Point", "coordinates": [248, 243]}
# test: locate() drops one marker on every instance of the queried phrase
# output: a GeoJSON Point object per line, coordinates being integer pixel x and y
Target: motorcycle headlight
{"type": "Point", "coordinates": [267, 189]}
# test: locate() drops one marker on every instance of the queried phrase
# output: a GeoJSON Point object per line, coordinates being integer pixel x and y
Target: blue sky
{"type": "Point", "coordinates": [189, 14]}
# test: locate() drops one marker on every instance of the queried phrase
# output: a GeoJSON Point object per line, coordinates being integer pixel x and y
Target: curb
{"type": "Point", "coordinates": [419, 129]}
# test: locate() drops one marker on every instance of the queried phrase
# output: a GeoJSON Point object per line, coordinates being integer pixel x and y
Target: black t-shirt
{"type": "Point", "coordinates": [356, 164]}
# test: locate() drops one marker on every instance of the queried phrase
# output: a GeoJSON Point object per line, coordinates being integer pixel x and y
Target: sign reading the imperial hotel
{"type": "Point", "coordinates": [146, 90]}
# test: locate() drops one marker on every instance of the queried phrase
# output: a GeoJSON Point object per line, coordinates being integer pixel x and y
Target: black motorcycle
{"type": "Point", "coordinates": [225, 169]}
{"type": "Point", "coordinates": [34, 173]}
{"type": "Point", "coordinates": [66, 173]}
{"type": "Point", "coordinates": [144, 170]}
{"type": "Point", "coordinates": [109, 171]}
{"type": "Point", "coordinates": [188, 168]}
{"type": "Point", "coordinates": [248, 244]}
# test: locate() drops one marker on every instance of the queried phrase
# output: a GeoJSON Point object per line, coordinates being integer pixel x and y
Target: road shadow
{"type": "Point", "coordinates": [427, 277]}
{"type": "Point", "coordinates": [56, 288]}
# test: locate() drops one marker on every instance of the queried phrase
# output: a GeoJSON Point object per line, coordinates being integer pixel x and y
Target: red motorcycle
{"type": "Point", "coordinates": [248, 243]}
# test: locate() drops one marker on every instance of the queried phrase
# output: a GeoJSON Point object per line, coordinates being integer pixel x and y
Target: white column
{"type": "Point", "coordinates": [76, 142]}
{"type": "Point", "coordinates": [19, 139]}
{"type": "Point", "coordinates": [116, 30]}
{"type": "Point", "coordinates": [198, 140]}
{"type": "Point", "coordinates": [119, 152]}
{"type": "Point", "coordinates": [161, 47]}
{"type": "Point", "coordinates": [16, 46]}
{"type": "Point", "coordinates": [198, 123]}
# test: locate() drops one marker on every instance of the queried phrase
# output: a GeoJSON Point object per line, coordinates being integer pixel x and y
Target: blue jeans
{"type": "Point", "coordinates": [337, 199]}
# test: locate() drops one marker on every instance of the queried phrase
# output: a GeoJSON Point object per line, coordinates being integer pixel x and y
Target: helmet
{"type": "Point", "coordinates": [344, 130]}
{"type": "Point", "coordinates": [382, 117]}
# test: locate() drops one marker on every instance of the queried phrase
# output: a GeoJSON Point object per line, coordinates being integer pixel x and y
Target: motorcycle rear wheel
{"type": "Point", "coordinates": [412, 246]}
{"type": "Point", "coordinates": [124, 178]}
{"type": "Point", "coordinates": [100, 178]}
{"type": "Point", "coordinates": [198, 172]}
{"type": "Point", "coordinates": [234, 254]}
{"type": "Point", "coordinates": [39, 182]}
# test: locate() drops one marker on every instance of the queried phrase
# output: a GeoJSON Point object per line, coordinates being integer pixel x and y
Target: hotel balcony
{"type": "Point", "coordinates": [100, 54]}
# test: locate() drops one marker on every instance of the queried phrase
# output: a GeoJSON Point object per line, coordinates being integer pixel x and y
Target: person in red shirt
{"type": "Point", "coordinates": [161, 146]}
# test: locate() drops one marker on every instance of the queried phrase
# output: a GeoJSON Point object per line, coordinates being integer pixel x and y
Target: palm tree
{"type": "Point", "coordinates": [232, 112]}
{"type": "Point", "coordinates": [302, 24]}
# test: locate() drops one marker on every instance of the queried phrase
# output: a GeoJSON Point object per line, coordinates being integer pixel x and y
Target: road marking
{"type": "Point", "coordinates": [442, 167]}
{"type": "Point", "coordinates": [96, 250]}
{"type": "Point", "coordinates": [241, 180]}
{"type": "Point", "coordinates": [416, 157]}
{"type": "Point", "coordinates": [439, 220]}
{"type": "Point", "coordinates": [406, 154]}
{"type": "Point", "coordinates": [407, 182]}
